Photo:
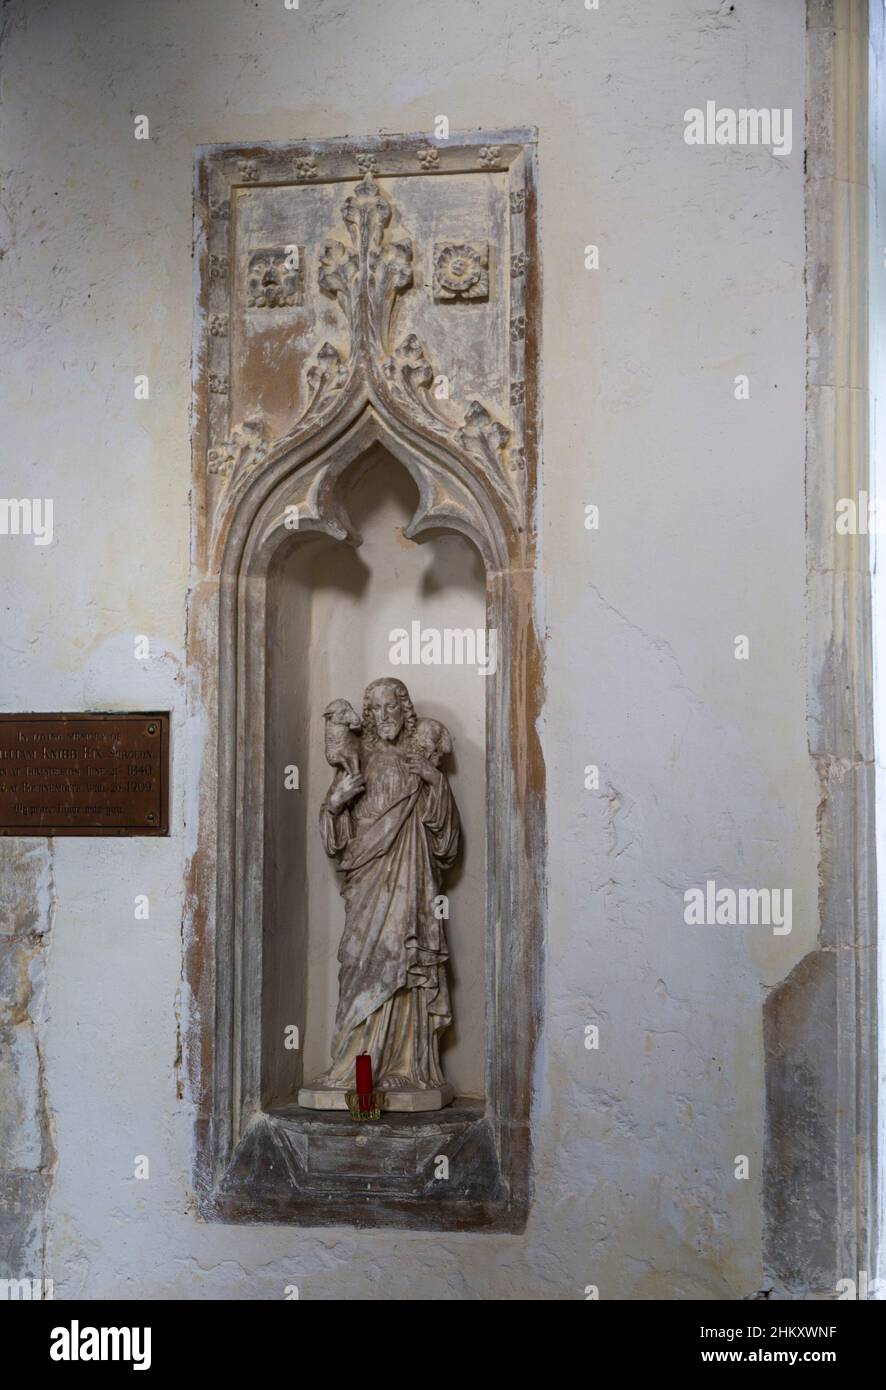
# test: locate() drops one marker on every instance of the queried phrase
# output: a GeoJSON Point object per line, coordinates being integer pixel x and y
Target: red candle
{"type": "Point", "coordinates": [364, 1080]}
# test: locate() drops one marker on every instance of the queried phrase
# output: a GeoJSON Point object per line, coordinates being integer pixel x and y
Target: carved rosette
{"type": "Point", "coordinates": [461, 270]}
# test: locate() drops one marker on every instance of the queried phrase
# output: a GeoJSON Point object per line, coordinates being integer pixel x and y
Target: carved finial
{"type": "Point", "coordinates": [366, 277]}
{"type": "Point", "coordinates": [366, 213]}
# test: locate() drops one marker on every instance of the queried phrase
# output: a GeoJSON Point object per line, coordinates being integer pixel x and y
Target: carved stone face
{"type": "Point", "coordinates": [273, 277]}
{"type": "Point", "coordinates": [386, 712]}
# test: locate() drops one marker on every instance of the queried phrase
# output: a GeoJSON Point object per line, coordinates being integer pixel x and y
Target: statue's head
{"type": "Point", "coordinates": [388, 711]}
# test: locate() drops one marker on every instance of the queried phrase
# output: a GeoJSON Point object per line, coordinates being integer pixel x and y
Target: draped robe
{"type": "Point", "coordinates": [392, 844]}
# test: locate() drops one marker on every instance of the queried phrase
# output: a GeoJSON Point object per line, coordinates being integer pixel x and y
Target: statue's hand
{"type": "Point", "coordinates": [350, 786]}
{"type": "Point", "coordinates": [422, 768]}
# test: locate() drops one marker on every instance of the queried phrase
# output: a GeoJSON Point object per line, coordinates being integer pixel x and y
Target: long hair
{"type": "Point", "coordinates": [370, 737]}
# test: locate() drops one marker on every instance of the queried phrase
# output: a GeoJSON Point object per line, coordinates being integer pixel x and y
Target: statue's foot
{"type": "Point", "coordinates": [398, 1083]}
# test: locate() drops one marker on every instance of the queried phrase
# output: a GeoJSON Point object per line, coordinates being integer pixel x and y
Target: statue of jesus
{"type": "Point", "coordinates": [393, 827]}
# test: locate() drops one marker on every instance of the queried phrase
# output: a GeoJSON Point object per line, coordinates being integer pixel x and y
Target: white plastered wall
{"type": "Point", "coordinates": [703, 763]}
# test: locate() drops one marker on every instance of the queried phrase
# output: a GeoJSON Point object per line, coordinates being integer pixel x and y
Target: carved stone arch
{"type": "Point", "coordinates": [306, 477]}
{"type": "Point", "coordinates": [270, 484]}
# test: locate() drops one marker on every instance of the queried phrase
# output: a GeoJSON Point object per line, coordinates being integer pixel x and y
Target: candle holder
{"type": "Point", "coordinates": [372, 1111]}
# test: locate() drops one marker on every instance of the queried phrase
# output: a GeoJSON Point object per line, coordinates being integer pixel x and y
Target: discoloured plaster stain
{"type": "Point", "coordinates": [799, 1178]}
{"type": "Point", "coordinates": [27, 1141]}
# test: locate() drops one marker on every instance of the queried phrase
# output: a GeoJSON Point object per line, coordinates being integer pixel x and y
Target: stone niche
{"type": "Point", "coordinates": [365, 456]}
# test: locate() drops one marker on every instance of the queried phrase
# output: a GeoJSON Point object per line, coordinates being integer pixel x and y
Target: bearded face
{"type": "Point", "coordinates": [387, 713]}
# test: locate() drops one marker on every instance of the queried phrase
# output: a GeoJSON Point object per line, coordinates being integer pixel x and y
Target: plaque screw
{"type": "Point", "coordinates": [151, 816]}
{"type": "Point", "coordinates": [152, 728]}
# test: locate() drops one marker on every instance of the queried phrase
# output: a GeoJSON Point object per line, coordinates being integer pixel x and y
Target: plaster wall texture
{"type": "Point", "coordinates": [704, 772]}
{"type": "Point", "coordinates": [877, 422]}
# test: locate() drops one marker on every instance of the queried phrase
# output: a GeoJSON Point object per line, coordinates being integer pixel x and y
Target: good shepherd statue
{"type": "Point", "coordinates": [390, 820]}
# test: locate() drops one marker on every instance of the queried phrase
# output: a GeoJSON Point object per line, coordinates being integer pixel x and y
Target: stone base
{"type": "Point", "coordinates": [321, 1168]}
{"type": "Point", "coordinates": [326, 1098]}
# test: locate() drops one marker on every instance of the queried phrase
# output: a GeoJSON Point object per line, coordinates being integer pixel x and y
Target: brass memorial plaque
{"type": "Point", "coordinates": [84, 774]}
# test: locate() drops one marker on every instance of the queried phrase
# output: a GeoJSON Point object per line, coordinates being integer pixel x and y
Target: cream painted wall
{"type": "Point", "coordinates": [876, 309]}
{"type": "Point", "coordinates": [703, 763]}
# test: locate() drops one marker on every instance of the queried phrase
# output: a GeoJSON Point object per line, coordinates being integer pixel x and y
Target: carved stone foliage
{"type": "Point", "coordinates": [364, 274]}
{"type": "Point", "coordinates": [273, 277]}
{"type": "Point", "coordinates": [461, 270]}
{"type": "Point", "coordinates": [365, 277]}
{"type": "Point", "coordinates": [247, 447]}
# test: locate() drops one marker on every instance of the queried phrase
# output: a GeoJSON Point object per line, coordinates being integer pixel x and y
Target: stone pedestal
{"type": "Point", "coordinates": [325, 1098]}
